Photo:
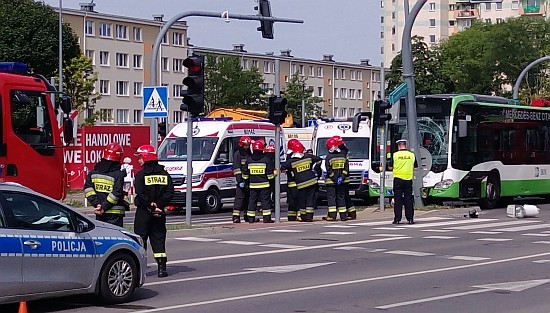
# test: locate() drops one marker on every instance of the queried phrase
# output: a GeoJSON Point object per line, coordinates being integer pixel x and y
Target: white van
{"type": "Point", "coordinates": [304, 135]}
{"type": "Point", "coordinates": [214, 142]}
{"type": "Point", "coordinates": [359, 153]}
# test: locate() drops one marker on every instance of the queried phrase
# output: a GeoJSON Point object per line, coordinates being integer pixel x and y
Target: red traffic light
{"type": "Point", "coordinates": [194, 64]}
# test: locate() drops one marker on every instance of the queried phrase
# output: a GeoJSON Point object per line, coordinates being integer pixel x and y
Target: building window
{"type": "Point", "coordinates": [177, 39]}
{"type": "Point", "coordinates": [90, 28]}
{"type": "Point", "coordinates": [90, 54]}
{"type": "Point", "coordinates": [177, 65]}
{"type": "Point", "coordinates": [393, 30]}
{"type": "Point", "coordinates": [178, 117]}
{"type": "Point", "coordinates": [164, 64]}
{"type": "Point", "coordinates": [319, 71]}
{"type": "Point", "coordinates": [106, 115]}
{"type": "Point", "coordinates": [122, 60]}
{"type": "Point", "coordinates": [452, 23]}
{"type": "Point", "coordinates": [122, 88]}
{"type": "Point", "coordinates": [343, 112]}
{"type": "Point", "coordinates": [138, 117]}
{"type": "Point", "coordinates": [330, 82]}
{"type": "Point", "coordinates": [351, 111]}
{"type": "Point", "coordinates": [488, 6]}
{"type": "Point", "coordinates": [393, 47]}
{"type": "Point", "coordinates": [515, 5]}
{"type": "Point", "coordinates": [432, 38]}
{"type": "Point", "coordinates": [319, 91]}
{"type": "Point", "coordinates": [452, 7]}
{"type": "Point", "coordinates": [301, 70]}
{"type": "Point", "coordinates": [255, 63]}
{"type": "Point", "coordinates": [105, 30]}
{"type": "Point", "coordinates": [137, 34]}
{"type": "Point", "coordinates": [487, 21]}
{"type": "Point", "coordinates": [104, 87]}
{"type": "Point", "coordinates": [432, 22]}
{"type": "Point", "coordinates": [352, 74]}
{"type": "Point", "coordinates": [499, 20]}
{"type": "Point", "coordinates": [499, 6]}
{"type": "Point", "coordinates": [343, 76]}
{"type": "Point", "coordinates": [245, 65]}
{"type": "Point", "coordinates": [264, 86]}
{"type": "Point", "coordinates": [138, 61]}
{"type": "Point", "coordinates": [178, 91]}
{"type": "Point", "coordinates": [360, 75]}
{"type": "Point", "coordinates": [351, 94]}
{"type": "Point", "coordinates": [138, 86]}
{"type": "Point", "coordinates": [122, 32]}
{"type": "Point", "coordinates": [359, 94]}
{"type": "Point", "coordinates": [343, 93]}
{"type": "Point", "coordinates": [335, 112]}
{"type": "Point", "coordinates": [164, 40]}
{"type": "Point", "coordinates": [286, 79]}
{"type": "Point", "coordinates": [123, 116]}
{"type": "Point", "coordinates": [104, 58]}
{"type": "Point", "coordinates": [267, 68]}
{"type": "Point", "coordinates": [311, 71]}
{"type": "Point", "coordinates": [336, 93]}
{"type": "Point", "coordinates": [432, 6]}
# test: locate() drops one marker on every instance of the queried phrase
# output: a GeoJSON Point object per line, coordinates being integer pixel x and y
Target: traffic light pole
{"type": "Point", "coordinates": [383, 143]}
{"type": "Point", "coordinates": [277, 195]}
{"type": "Point", "coordinates": [189, 175]}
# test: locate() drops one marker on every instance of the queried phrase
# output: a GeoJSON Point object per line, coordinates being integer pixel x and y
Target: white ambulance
{"type": "Point", "coordinates": [214, 142]}
{"type": "Point", "coordinates": [304, 135]}
{"type": "Point", "coordinates": [359, 153]}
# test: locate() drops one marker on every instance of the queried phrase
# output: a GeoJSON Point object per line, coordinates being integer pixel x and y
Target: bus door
{"type": "Point", "coordinates": [31, 154]}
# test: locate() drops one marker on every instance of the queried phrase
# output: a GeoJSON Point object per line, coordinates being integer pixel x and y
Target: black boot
{"type": "Point", "coordinates": [352, 215]}
{"type": "Point", "coordinates": [236, 219]}
{"type": "Point", "coordinates": [161, 262]}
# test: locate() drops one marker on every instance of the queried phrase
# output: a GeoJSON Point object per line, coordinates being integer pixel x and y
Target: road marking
{"type": "Point", "coordinates": [453, 222]}
{"type": "Point", "coordinates": [240, 243]}
{"type": "Point", "coordinates": [375, 250]}
{"type": "Point", "coordinates": [388, 228]}
{"type": "Point", "coordinates": [338, 233]}
{"type": "Point", "coordinates": [387, 235]}
{"type": "Point", "coordinates": [281, 246]}
{"type": "Point", "coordinates": [241, 255]}
{"type": "Point", "coordinates": [422, 219]}
{"type": "Point", "coordinates": [287, 230]}
{"type": "Point", "coordinates": [482, 232]}
{"type": "Point", "coordinates": [342, 283]}
{"type": "Point", "coordinates": [410, 253]}
{"type": "Point", "coordinates": [541, 261]}
{"type": "Point", "coordinates": [470, 227]}
{"type": "Point", "coordinates": [197, 239]}
{"type": "Point", "coordinates": [509, 286]}
{"type": "Point", "coordinates": [439, 237]}
{"type": "Point", "coordinates": [350, 248]}
{"type": "Point", "coordinates": [522, 228]}
{"type": "Point", "coordinates": [465, 258]}
{"type": "Point", "coordinates": [339, 226]}
{"type": "Point", "coordinates": [536, 235]}
{"type": "Point", "coordinates": [437, 230]}
{"type": "Point", "coordinates": [494, 239]}
{"type": "Point", "coordinates": [543, 242]}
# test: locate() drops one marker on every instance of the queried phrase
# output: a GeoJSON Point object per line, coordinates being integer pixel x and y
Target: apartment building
{"type": "Point", "coordinates": [439, 19]}
{"type": "Point", "coordinates": [121, 47]}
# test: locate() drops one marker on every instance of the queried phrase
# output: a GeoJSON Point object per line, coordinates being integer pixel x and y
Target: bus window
{"type": "Point", "coordinates": [30, 119]}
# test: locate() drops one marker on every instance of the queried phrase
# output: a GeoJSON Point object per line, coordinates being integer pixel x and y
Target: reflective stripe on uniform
{"type": "Point", "coordinates": [112, 199]}
{"type": "Point", "coordinates": [159, 255]}
{"type": "Point", "coordinates": [342, 209]}
{"type": "Point", "coordinates": [266, 212]}
{"type": "Point", "coordinates": [115, 211]}
{"type": "Point", "coordinates": [259, 185]}
{"type": "Point", "coordinates": [292, 184]}
{"type": "Point", "coordinates": [307, 183]}
{"type": "Point", "coordinates": [332, 209]}
{"type": "Point", "coordinates": [89, 192]}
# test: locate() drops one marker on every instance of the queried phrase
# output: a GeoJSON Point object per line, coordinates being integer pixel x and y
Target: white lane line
{"type": "Point", "coordinates": [339, 226]}
{"type": "Point", "coordinates": [389, 228]}
{"type": "Point", "coordinates": [197, 239]}
{"type": "Point", "coordinates": [495, 239]}
{"type": "Point", "coordinates": [375, 250]}
{"type": "Point", "coordinates": [490, 225]}
{"type": "Point", "coordinates": [522, 228]}
{"type": "Point", "coordinates": [216, 223]}
{"type": "Point", "coordinates": [338, 233]}
{"type": "Point", "coordinates": [281, 246]}
{"type": "Point", "coordinates": [410, 253]}
{"type": "Point", "coordinates": [287, 230]}
{"type": "Point", "coordinates": [247, 254]}
{"type": "Point", "coordinates": [543, 242]}
{"type": "Point", "coordinates": [350, 248]}
{"type": "Point", "coordinates": [465, 258]}
{"type": "Point", "coordinates": [387, 235]}
{"type": "Point", "coordinates": [439, 237]}
{"type": "Point", "coordinates": [449, 223]}
{"type": "Point", "coordinates": [437, 230]}
{"type": "Point", "coordinates": [536, 235]}
{"type": "Point", "coordinates": [240, 243]}
{"type": "Point", "coordinates": [421, 219]}
{"type": "Point", "coordinates": [483, 232]}
{"type": "Point", "coordinates": [546, 232]}
{"type": "Point", "coordinates": [541, 261]}
{"type": "Point", "coordinates": [337, 284]}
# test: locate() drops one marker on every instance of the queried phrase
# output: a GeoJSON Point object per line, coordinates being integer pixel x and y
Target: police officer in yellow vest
{"type": "Point", "coordinates": [403, 164]}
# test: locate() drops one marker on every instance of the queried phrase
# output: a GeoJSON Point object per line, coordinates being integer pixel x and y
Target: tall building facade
{"type": "Point", "coordinates": [121, 48]}
{"type": "Point", "coordinates": [439, 19]}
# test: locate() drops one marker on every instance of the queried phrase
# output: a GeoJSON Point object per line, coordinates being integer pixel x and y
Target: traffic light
{"type": "Point", "coordinates": [266, 27]}
{"type": "Point", "coordinates": [380, 116]}
{"type": "Point", "coordinates": [276, 110]}
{"type": "Point", "coordinates": [193, 101]}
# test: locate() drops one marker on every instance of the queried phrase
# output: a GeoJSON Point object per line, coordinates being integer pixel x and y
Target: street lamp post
{"type": "Point", "coordinates": [303, 105]}
{"type": "Point", "coordinates": [60, 46]}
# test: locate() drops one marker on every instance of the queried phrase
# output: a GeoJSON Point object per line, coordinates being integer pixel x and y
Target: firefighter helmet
{"type": "Point", "coordinates": [147, 153]}
{"type": "Point", "coordinates": [245, 140]}
{"type": "Point", "coordinates": [332, 143]}
{"type": "Point", "coordinates": [113, 152]}
{"type": "Point", "coordinates": [339, 140]}
{"type": "Point", "coordinates": [270, 148]}
{"type": "Point", "coordinates": [295, 146]}
{"type": "Point", "coordinates": [258, 145]}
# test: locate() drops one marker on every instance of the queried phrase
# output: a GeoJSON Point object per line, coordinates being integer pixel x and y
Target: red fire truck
{"type": "Point", "coordinates": [31, 148]}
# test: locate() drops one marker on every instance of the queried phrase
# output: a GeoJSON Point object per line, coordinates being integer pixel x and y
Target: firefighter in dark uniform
{"type": "Point", "coordinates": [241, 193]}
{"type": "Point", "coordinates": [350, 207]}
{"type": "Point", "coordinates": [403, 164]}
{"type": "Point", "coordinates": [104, 186]}
{"type": "Point", "coordinates": [258, 170]}
{"type": "Point", "coordinates": [337, 166]}
{"type": "Point", "coordinates": [154, 190]}
{"type": "Point", "coordinates": [291, 200]}
{"type": "Point", "coordinates": [302, 166]}
{"type": "Point", "coordinates": [270, 154]}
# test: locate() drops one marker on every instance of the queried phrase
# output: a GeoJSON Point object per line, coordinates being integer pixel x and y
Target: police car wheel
{"type": "Point", "coordinates": [210, 202]}
{"type": "Point", "coordinates": [118, 279]}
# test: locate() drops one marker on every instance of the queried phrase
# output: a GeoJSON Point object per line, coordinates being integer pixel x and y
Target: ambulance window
{"type": "Point", "coordinates": [30, 118]}
{"type": "Point", "coordinates": [224, 152]}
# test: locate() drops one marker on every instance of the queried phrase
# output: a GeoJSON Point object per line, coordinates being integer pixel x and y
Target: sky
{"type": "Point", "coordinates": [347, 29]}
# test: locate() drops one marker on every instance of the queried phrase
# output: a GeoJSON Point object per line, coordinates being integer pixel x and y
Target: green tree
{"type": "Point", "coordinates": [30, 35]}
{"type": "Point", "coordinates": [296, 90]}
{"type": "Point", "coordinates": [79, 80]}
{"type": "Point", "coordinates": [428, 77]}
{"type": "Point", "coordinates": [228, 85]}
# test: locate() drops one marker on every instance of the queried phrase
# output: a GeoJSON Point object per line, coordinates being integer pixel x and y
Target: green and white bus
{"type": "Point", "coordinates": [482, 149]}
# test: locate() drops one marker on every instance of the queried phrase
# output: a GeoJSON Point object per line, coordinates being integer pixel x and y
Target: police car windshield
{"type": "Point", "coordinates": [358, 147]}
{"type": "Point", "coordinates": [175, 149]}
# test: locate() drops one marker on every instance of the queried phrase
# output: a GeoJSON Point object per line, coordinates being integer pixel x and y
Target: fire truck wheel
{"type": "Point", "coordinates": [210, 202]}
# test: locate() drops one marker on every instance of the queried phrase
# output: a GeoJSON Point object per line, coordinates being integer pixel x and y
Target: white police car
{"type": "Point", "coordinates": [49, 250]}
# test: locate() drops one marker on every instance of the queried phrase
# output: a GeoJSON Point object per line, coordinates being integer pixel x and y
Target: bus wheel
{"type": "Point", "coordinates": [492, 193]}
{"type": "Point", "coordinates": [210, 202]}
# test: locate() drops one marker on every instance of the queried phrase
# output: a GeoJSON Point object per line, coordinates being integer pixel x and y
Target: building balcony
{"type": "Point", "coordinates": [532, 10]}
{"type": "Point", "coordinates": [467, 14]}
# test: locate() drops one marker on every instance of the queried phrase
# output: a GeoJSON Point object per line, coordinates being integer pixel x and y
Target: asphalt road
{"type": "Point", "coordinates": [443, 263]}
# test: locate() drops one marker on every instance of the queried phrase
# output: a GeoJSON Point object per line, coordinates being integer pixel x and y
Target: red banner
{"type": "Point", "coordinates": [89, 144]}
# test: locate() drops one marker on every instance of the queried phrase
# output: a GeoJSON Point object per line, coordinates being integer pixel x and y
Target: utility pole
{"type": "Point", "coordinates": [383, 130]}
{"type": "Point", "coordinates": [277, 195]}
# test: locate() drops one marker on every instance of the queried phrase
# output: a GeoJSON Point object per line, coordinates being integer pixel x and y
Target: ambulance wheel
{"type": "Point", "coordinates": [118, 279]}
{"type": "Point", "coordinates": [210, 202]}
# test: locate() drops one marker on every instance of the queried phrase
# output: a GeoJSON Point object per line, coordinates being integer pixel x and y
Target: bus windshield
{"type": "Point", "coordinates": [358, 147]}
{"type": "Point", "coordinates": [175, 149]}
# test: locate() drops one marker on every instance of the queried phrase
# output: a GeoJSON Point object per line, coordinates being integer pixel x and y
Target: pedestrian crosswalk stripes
{"type": "Point", "coordinates": [537, 235]}
{"type": "Point", "coordinates": [514, 222]}
{"type": "Point", "coordinates": [449, 223]}
{"type": "Point", "coordinates": [411, 253]}
{"type": "Point", "coordinates": [495, 239]}
{"type": "Point", "coordinates": [338, 233]}
{"type": "Point", "coordinates": [439, 237]}
{"type": "Point", "coordinates": [522, 228]}
{"type": "Point", "coordinates": [483, 232]}
{"type": "Point", "coordinates": [465, 258]}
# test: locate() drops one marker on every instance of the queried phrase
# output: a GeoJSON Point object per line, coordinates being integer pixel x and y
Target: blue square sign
{"type": "Point", "coordinates": [155, 101]}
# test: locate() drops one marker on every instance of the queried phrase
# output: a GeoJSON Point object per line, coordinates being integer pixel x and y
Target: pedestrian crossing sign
{"type": "Point", "coordinates": [155, 101]}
